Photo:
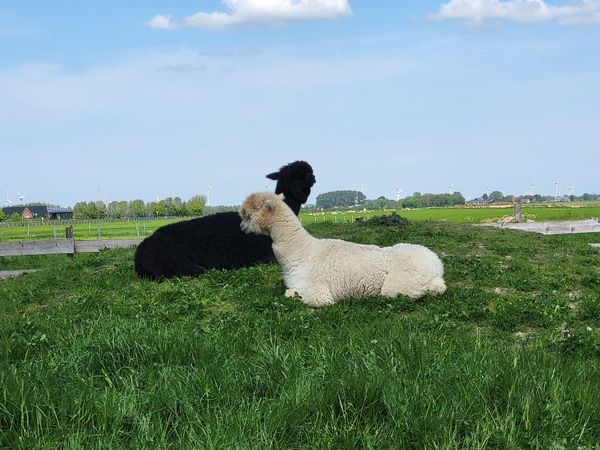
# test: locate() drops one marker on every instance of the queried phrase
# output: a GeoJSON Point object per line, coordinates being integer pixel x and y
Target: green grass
{"type": "Point", "coordinates": [83, 231]}
{"type": "Point", "coordinates": [92, 357]}
{"type": "Point", "coordinates": [465, 215]}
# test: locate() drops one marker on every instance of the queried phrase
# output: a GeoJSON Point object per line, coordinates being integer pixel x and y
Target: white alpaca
{"type": "Point", "coordinates": [324, 271]}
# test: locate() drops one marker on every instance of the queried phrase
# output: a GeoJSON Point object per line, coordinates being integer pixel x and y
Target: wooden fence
{"type": "Point", "coordinates": [62, 246]}
{"type": "Point", "coordinates": [558, 227]}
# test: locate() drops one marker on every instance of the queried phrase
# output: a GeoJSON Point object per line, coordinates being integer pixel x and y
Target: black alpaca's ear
{"type": "Point", "coordinates": [273, 176]}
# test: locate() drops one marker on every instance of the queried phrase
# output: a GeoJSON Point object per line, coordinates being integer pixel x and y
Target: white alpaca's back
{"type": "Point", "coordinates": [330, 270]}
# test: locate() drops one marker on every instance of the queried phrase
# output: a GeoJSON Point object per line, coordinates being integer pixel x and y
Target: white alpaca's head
{"type": "Point", "coordinates": [257, 212]}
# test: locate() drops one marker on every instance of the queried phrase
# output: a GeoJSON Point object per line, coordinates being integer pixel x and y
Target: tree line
{"type": "Point", "coordinates": [340, 199]}
{"type": "Point", "coordinates": [498, 196]}
{"type": "Point", "coordinates": [418, 200]}
{"type": "Point", "coordinates": [348, 199]}
{"type": "Point", "coordinates": [170, 206]}
{"type": "Point", "coordinates": [196, 206]}
{"type": "Point", "coordinates": [351, 199]}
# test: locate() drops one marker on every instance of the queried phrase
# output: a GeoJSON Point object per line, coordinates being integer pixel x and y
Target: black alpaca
{"type": "Point", "coordinates": [194, 246]}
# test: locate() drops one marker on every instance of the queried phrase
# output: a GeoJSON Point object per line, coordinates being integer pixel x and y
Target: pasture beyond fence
{"type": "Point", "coordinates": [140, 228]}
{"type": "Point", "coordinates": [83, 230]}
{"type": "Point", "coordinates": [124, 229]}
{"type": "Point", "coordinates": [67, 246]}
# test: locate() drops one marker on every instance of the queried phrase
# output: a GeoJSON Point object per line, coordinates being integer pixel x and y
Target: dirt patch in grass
{"type": "Point", "coordinates": [4, 274]}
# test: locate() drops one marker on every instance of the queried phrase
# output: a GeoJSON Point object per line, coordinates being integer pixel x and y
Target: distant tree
{"type": "Point", "coordinates": [433, 200]}
{"type": "Point", "coordinates": [121, 209]}
{"type": "Point", "coordinates": [89, 210]}
{"type": "Point", "coordinates": [99, 209]}
{"type": "Point", "coordinates": [195, 205]}
{"type": "Point", "coordinates": [379, 203]}
{"type": "Point", "coordinates": [155, 209]}
{"type": "Point", "coordinates": [2, 216]}
{"type": "Point", "coordinates": [411, 202]}
{"type": "Point", "coordinates": [15, 217]}
{"type": "Point", "coordinates": [80, 211]}
{"type": "Point", "coordinates": [340, 199]}
{"type": "Point", "coordinates": [137, 208]}
{"type": "Point", "coordinates": [496, 195]}
{"type": "Point", "coordinates": [96, 210]}
{"type": "Point", "coordinates": [175, 206]}
{"type": "Point", "coordinates": [183, 209]}
{"type": "Point", "coordinates": [382, 203]}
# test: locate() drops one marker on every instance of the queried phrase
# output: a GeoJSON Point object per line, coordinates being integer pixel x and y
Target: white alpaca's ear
{"type": "Point", "coordinates": [281, 196]}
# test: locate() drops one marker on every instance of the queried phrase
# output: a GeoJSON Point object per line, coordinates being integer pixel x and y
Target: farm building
{"type": "Point", "coordinates": [39, 212]}
{"type": "Point", "coordinates": [60, 213]}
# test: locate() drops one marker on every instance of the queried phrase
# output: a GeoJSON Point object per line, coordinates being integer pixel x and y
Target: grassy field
{"type": "Point", "coordinates": [125, 230]}
{"type": "Point", "coordinates": [92, 357]}
{"type": "Point", "coordinates": [108, 230]}
{"type": "Point", "coordinates": [465, 215]}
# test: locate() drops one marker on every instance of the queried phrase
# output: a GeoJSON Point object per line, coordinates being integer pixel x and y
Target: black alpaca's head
{"type": "Point", "coordinates": [294, 181]}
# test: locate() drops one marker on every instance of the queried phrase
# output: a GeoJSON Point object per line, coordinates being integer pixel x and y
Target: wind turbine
{"type": "Point", "coordinates": [571, 190]}
{"type": "Point", "coordinates": [398, 192]}
{"type": "Point", "coordinates": [361, 189]}
{"type": "Point", "coordinates": [531, 187]}
{"type": "Point", "coordinates": [208, 189]}
{"type": "Point", "coordinates": [487, 190]}
{"type": "Point", "coordinates": [451, 188]}
{"type": "Point", "coordinates": [21, 197]}
{"type": "Point", "coordinates": [8, 200]}
{"type": "Point", "coordinates": [103, 203]}
{"type": "Point", "coordinates": [556, 183]}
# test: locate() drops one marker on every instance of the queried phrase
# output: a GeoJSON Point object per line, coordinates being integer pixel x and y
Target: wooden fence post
{"type": "Point", "coordinates": [518, 212]}
{"type": "Point", "coordinates": [69, 235]}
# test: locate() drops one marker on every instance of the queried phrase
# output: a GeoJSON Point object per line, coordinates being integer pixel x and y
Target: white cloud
{"type": "Point", "coordinates": [260, 12]}
{"type": "Point", "coordinates": [528, 11]}
{"type": "Point", "coordinates": [162, 23]}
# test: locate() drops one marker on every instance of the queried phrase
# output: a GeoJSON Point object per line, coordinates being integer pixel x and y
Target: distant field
{"type": "Point", "coordinates": [108, 230]}
{"type": "Point", "coordinates": [464, 215]}
{"type": "Point", "coordinates": [127, 229]}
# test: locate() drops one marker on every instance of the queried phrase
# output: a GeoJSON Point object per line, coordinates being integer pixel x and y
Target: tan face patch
{"type": "Point", "coordinates": [256, 213]}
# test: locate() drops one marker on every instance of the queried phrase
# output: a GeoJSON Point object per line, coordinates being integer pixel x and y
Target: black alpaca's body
{"type": "Point", "coordinates": [194, 246]}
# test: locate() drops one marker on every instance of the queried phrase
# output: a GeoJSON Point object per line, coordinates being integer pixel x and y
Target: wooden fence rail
{"type": "Point", "coordinates": [558, 227]}
{"type": "Point", "coordinates": [62, 246]}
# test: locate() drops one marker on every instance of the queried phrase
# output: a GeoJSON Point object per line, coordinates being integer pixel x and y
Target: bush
{"type": "Point", "coordinates": [391, 220]}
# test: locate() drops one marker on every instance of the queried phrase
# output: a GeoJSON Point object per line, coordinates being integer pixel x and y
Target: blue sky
{"type": "Point", "coordinates": [147, 98]}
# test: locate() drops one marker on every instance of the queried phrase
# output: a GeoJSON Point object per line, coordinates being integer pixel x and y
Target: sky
{"type": "Point", "coordinates": [141, 99]}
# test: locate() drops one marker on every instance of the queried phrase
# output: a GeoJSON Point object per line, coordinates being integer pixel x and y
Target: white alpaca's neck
{"type": "Point", "coordinates": [288, 235]}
